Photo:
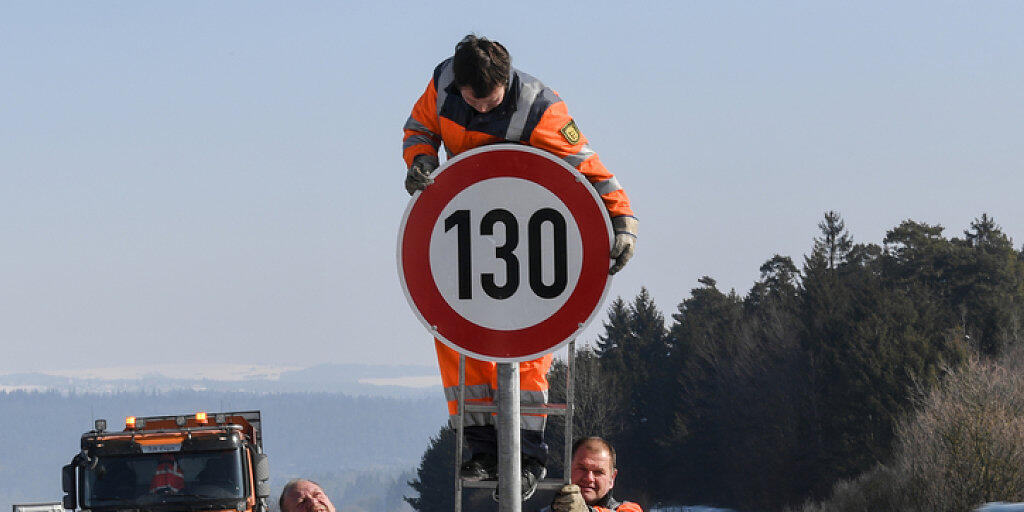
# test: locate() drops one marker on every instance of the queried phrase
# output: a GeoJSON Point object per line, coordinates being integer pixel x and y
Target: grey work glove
{"type": "Point", "coordinates": [625, 228]}
{"type": "Point", "coordinates": [418, 176]}
{"type": "Point", "coordinates": [569, 499]}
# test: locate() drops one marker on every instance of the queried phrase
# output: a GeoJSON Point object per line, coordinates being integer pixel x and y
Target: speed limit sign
{"type": "Point", "coordinates": [505, 257]}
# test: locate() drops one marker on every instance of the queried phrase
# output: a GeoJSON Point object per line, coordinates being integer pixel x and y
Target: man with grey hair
{"type": "Point", "coordinates": [593, 475]}
{"type": "Point", "coordinates": [301, 495]}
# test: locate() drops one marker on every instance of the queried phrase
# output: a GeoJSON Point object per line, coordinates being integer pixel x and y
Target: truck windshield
{"type": "Point", "coordinates": [153, 479]}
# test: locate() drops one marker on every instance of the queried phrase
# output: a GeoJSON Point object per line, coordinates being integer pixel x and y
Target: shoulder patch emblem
{"type": "Point", "coordinates": [571, 132]}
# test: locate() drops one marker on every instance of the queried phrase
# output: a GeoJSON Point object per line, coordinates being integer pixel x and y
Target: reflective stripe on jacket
{"type": "Point", "coordinates": [530, 113]}
{"type": "Point", "coordinates": [482, 386]}
{"type": "Point", "coordinates": [609, 505]}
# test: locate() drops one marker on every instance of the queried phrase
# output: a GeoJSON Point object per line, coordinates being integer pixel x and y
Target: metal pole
{"type": "Point", "coordinates": [569, 404]}
{"type": "Point", "coordinates": [510, 491]}
{"type": "Point", "coordinates": [458, 432]}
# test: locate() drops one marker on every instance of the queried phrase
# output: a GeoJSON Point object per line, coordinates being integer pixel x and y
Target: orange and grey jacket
{"type": "Point", "coordinates": [531, 114]}
{"type": "Point", "coordinates": [609, 504]}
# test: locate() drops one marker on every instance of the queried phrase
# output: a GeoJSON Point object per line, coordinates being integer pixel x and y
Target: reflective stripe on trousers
{"type": "Point", "coordinates": [482, 385]}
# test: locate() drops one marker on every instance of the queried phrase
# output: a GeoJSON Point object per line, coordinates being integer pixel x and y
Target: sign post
{"type": "Point", "coordinates": [510, 490]}
{"type": "Point", "coordinates": [505, 258]}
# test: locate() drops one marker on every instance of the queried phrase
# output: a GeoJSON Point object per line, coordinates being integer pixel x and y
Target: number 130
{"type": "Point", "coordinates": [460, 219]}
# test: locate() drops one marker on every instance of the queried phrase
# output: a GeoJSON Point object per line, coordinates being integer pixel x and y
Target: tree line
{"type": "Point", "coordinates": [813, 378]}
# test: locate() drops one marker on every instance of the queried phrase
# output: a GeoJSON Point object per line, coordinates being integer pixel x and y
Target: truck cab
{"type": "Point", "coordinates": [169, 463]}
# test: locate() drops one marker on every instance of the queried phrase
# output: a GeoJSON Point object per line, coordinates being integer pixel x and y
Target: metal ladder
{"type": "Point", "coordinates": [549, 409]}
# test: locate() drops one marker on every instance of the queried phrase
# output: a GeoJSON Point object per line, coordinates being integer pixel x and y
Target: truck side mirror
{"type": "Point", "coordinates": [68, 483]}
{"type": "Point", "coordinates": [262, 475]}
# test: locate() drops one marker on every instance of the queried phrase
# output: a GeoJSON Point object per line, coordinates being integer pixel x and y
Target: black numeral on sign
{"type": "Point", "coordinates": [503, 252]}
{"type": "Point", "coordinates": [460, 220]}
{"type": "Point", "coordinates": [561, 264]}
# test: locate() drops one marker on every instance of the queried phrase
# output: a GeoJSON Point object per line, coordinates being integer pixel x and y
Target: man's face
{"type": "Point", "coordinates": [485, 104]}
{"type": "Point", "coordinates": [307, 497]}
{"type": "Point", "coordinates": [592, 471]}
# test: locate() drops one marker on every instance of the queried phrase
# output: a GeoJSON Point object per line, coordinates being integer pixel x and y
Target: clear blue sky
{"type": "Point", "coordinates": [222, 180]}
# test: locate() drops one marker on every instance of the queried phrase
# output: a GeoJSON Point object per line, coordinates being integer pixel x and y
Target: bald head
{"type": "Point", "coordinates": [301, 495]}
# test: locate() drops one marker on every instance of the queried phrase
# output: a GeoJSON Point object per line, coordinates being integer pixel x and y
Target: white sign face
{"type": "Point", "coordinates": [506, 253]}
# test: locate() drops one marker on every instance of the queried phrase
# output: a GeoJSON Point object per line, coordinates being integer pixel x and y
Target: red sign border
{"type": "Point", "coordinates": [443, 322]}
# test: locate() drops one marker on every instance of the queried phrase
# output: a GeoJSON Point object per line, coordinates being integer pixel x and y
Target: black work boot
{"type": "Point", "coordinates": [533, 472]}
{"type": "Point", "coordinates": [482, 466]}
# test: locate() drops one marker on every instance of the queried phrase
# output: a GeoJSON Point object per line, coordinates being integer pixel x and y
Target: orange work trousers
{"type": "Point", "coordinates": [482, 385]}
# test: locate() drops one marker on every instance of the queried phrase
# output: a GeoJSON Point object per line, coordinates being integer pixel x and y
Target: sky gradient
{"type": "Point", "coordinates": [222, 181]}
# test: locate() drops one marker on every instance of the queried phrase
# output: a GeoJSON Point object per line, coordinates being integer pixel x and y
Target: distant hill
{"type": "Point", "coordinates": [352, 379]}
{"type": "Point", "coordinates": [362, 448]}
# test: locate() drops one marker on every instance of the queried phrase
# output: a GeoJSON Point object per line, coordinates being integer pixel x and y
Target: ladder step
{"type": "Point", "coordinates": [565, 410]}
{"type": "Point", "coordinates": [547, 484]}
{"type": "Point", "coordinates": [552, 409]}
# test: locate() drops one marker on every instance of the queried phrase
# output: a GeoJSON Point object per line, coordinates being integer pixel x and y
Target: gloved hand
{"type": "Point", "coordinates": [418, 176]}
{"type": "Point", "coordinates": [569, 499]}
{"type": "Point", "coordinates": [625, 228]}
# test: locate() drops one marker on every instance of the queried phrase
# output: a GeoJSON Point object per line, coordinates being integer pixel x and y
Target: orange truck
{"type": "Point", "coordinates": [210, 462]}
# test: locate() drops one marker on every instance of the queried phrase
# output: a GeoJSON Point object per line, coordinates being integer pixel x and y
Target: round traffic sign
{"type": "Point", "coordinates": [505, 256]}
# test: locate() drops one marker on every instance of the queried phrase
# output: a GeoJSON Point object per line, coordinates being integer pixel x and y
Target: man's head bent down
{"type": "Point", "coordinates": [482, 69]}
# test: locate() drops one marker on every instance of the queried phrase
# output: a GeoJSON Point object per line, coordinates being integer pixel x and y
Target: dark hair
{"type": "Point", "coordinates": [590, 443]}
{"type": "Point", "coordinates": [481, 64]}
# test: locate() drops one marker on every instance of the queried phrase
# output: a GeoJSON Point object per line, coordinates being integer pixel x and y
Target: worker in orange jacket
{"type": "Point", "coordinates": [476, 98]}
{"type": "Point", "coordinates": [592, 473]}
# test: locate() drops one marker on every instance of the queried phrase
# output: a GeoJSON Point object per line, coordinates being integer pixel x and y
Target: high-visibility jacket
{"type": "Point", "coordinates": [625, 506]}
{"type": "Point", "coordinates": [531, 114]}
{"type": "Point", "coordinates": [609, 505]}
{"type": "Point", "coordinates": [168, 476]}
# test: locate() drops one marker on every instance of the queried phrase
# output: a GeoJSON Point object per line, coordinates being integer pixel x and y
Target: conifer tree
{"type": "Point", "coordinates": [991, 282]}
{"type": "Point", "coordinates": [704, 337]}
{"type": "Point", "coordinates": [616, 332]}
{"type": "Point", "coordinates": [634, 349]}
{"type": "Point", "coordinates": [435, 480]}
{"type": "Point", "coordinates": [835, 242]}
